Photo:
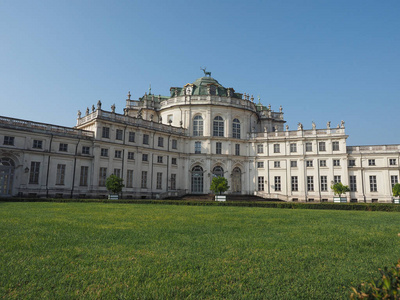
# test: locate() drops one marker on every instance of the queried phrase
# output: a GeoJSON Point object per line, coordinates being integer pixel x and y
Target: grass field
{"type": "Point", "coordinates": [90, 250]}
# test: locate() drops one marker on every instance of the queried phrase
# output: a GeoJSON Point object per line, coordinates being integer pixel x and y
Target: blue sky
{"type": "Point", "coordinates": [321, 60]}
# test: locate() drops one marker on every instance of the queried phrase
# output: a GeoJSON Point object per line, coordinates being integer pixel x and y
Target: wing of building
{"type": "Point", "coordinates": [168, 146]}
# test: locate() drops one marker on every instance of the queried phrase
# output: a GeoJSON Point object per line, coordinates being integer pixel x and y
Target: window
{"type": "Point", "coordinates": [392, 162]}
{"type": "Point", "coordinates": [276, 148]}
{"type": "Point", "coordinates": [173, 161]}
{"type": "Point", "coordinates": [63, 147]}
{"type": "Point", "coordinates": [145, 139]}
{"type": "Point", "coordinates": [144, 180]}
{"type": "Point", "coordinates": [129, 178]}
{"type": "Point", "coordinates": [173, 181]}
{"type": "Point", "coordinates": [308, 147]}
{"type": "Point", "coordinates": [260, 183]}
{"type": "Point", "coordinates": [393, 180]}
{"type": "Point", "coordinates": [117, 172]}
{"type": "Point", "coordinates": [321, 146]}
{"type": "Point", "coordinates": [131, 137]}
{"type": "Point", "coordinates": [277, 180]}
{"type": "Point", "coordinates": [295, 184]}
{"type": "Point", "coordinates": [118, 134]}
{"type": "Point", "coordinates": [83, 181]}
{"type": "Point", "coordinates": [85, 150]}
{"type": "Point", "coordinates": [60, 177]}
{"type": "Point", "coordinates": [197, 147]}
{"type": "Point", "coordinates": [218, 171]}
{"type": "Point", "coordinates": [324, 183]}
{"type": "Point", "coordinates": [293, 163]}
{"type": "Point", "coordinates": [236, 129]}
{"type": "Point", "coordinates": [102, 176]}
{"type": "Point", "coordinates": [104, 152]}
{"type": "Point", "coordinates": [371, 162]}
{"type": "Point", "coordinates": [106, 132]}
{"type": "Point", "coordinates": [159, 159]}
{"type": "Point", "coordinates": [198, 126]}
{"type": "Point", "coordinates": [218, 126]}
{"type": "Point", "coordinates": [159, 180]}
{"type": "Point", "coordinates": [309, 163]}
{"type": "Point", "coordinates": [372, 184]}
{"type": "Point", "coordinates": [9, 140]}
{"type": "Point", "coordinates": [160, 141]}
{"type": "Point", "coordinates": [260, 164]}
{"type": "Point", "coordinates": [37, 144]}
{"type": "Point", "coordinates": [237, 149]}
{"type": "Point", "coordinates": [218, 147]}
{"type": "Point", "coordinates": [335, 146]}
{"type": "Point", "coordinates": [131, 155]}
{"type": "Point", "coordinates": [277, 164]}
{"type": "Point", "coordinates": [352, 162]}
{"type": "Point", "coordinates": [170, 119]}
{"type": "Point", "coordinates": [145, 157]}
{"type": "Point", "coordinates": [260, 148]}
{"type": "Point", "coordinates": [174, 144]}
{"type": "Point", "coordinates": [293, 147]}
{"type": "Point", "coordinates": [336, 162]}
{"type": "Point", "coordinates": [322, 163]}
{"type": "Point", "coordinates": [353, 183]}
{"type": "Point", "coordinates": [118, 154]}
{"type": "Point", "coordinates": [310, 183]}
{"type": "Point", "coordinates": [337, 179]}
{"type": "Point", "coordinates": [34, 172]}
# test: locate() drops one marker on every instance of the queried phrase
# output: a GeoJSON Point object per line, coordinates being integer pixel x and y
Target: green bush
{"type": "Point", "coordinates": [385, 287]}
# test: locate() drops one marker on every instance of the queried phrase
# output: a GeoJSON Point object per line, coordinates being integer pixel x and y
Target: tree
{"type": "Point", "coordinates": [339, 189]}
{"type": "Point", "coordinates": [219, 185]}
{"type": "Point", "coordinates": [114, 184]}
{"type": "Point", "coordinates": [396, 190]}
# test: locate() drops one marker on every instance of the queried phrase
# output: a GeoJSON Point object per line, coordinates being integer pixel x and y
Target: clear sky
{"type": "Point", "coordinates": [321, 60]}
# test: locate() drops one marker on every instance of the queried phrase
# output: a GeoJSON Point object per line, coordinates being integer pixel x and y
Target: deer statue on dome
{"type": "Point", "coordinates": [206, 73]}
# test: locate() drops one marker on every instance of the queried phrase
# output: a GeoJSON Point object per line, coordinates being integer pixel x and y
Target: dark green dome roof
{"type": "Point", "coordinates": [204, 81]}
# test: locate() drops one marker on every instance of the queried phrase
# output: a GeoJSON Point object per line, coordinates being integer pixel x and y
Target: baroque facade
{"type": "Point", "coordinates": [168, 146]}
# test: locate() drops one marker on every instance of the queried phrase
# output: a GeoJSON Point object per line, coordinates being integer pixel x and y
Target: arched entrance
{"type": "Point", "coordinates": [7, 167]}
{"type": "Point", "coordinates": [236, 180]}
{"type": "Point", "coordinates": [197, 180]}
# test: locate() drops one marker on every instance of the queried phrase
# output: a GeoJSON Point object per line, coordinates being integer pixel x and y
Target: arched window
{"type": "Point", "coordinates": [236, 128]}
{"type": "Point", "coordinates": [197, 179]}
{"type": "Point", "coordinates": [6, 176]}
{"type": "Point", "coordinates": [218, 126]}
{"type": "Point", "coordinates": [198, 126]}
{"type": "Point", "coordinates": [218, 171]}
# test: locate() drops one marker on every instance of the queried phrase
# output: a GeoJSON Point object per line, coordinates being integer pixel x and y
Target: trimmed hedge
{"type": "Point", "coordinates": [389, 207]}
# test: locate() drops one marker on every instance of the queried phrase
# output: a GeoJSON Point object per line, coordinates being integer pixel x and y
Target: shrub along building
{"type": "Point", "coordinates": [168, 146]}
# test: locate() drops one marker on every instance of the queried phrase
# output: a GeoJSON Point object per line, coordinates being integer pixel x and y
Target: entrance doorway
{"type": "Point", "coordinates": [197, 180]}
{"type": "Point", "coordinates": [7, 167]}
{"type": "Point", "coordinates": [236, 180]}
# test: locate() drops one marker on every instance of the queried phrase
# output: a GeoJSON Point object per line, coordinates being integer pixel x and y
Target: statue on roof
{"type": "Point", "coordinates": [206, 73]}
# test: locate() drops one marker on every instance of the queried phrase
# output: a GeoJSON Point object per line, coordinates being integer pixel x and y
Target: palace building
{"type": "Point", "coordinates": [169, 146]}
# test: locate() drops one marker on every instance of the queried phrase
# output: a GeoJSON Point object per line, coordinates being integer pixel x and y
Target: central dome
{"type": "Point", "coordinates": [205, 81]}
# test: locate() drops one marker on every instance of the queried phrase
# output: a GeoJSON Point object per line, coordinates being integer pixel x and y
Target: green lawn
{"type": "Point", "coordinates": [96, 250]}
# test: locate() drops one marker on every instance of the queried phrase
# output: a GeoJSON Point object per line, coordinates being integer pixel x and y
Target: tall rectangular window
{"type": "Point", "coordinates": [293, 163]}
{"type": "Point", "coordinates": [260, 164]}
{"type": "Point", "coordinates": [131, 155]}
{"type": "Point", "coordinates": [336, 162]}
{"type": "Point", "coordinates": [85, 150]}
{"type": "Point", "coordinates": [173, 161]}
{"type": "Point", "coordinates": [353, 183]}
{"type": "Point", "coordinates": [34, 172]}
{"type": "Point", "coordinates": [308, 147]}
{"type": "Point", "coordinates": [337, 179]}
{"type": "Point", "coordinates": [173, 181]}
{"type": "Point", "coordinates": [119, 134]}
{"type": "Point", "coordinates": [60, 176]}
{"type": "Point", "coordinates": [104, 152]}
{"type": "Point", "coordinates": [260, 148]}
{"type": "Point", "coordinates": [218, 148]}
{"type": "Point", "coordinates": [145, 139]}
{"type": "Point", "coordinates": [277, 164]}
{"type": "Point", "coordinates": [371, 162]}
{"type": "Point", "coordinates": [63, 147]}
{"type": "Point", "coordinates": [352, 162]}
{"type": "Point", "coordinates": [309, 163]}
{"type": "Point", "coordinates": [260, 183]}
{"type": "Point", "coordinates": [393, 180]}
{"type": "Point", "coordinates": [131, 137]}
{"type": "Point", "coordinates": [118, 154]}
{"type": "Point", "coordinates": [174, 144]}
{"type": "Point", "coordinates": [293, 147]}
{"type": "Point", "coordinates": [295, 184]}
{"type": "Point", "coordinates": [37, 144]}
{"type": "Point", "coordinates": [310, 183]}
{"type": "Point", "coordinates": [160, 159]}
{"type": "Point", "coordinates": [276, 148]}
{"type": "Point", "coordinates": [324, 183]}
{"type": "Point", "coordinates": [372, 184]}
{"type": "Point", "coordinates": [9, 140]}
{"type": "Point", "coordinates": [117, 172]}
{"type": "Point", "coordinates": [145, 157]}
{"type": "Point", "coordinates": [144, 180]}
{"type": "Point", "coordinates": [335, 146]}
{"type": "Point", "coordinates": [106, 132]}
{"type": "Point", "coordinates": [83, 181]}
{"type": "Point", "coordinates": [392, 162]}
{"type": "Point", "coordinates": [322, 163]}
{"type": "Point", "coordinates": [160, 141]}
{"type": "Point", "coordinates": [129, 178]}
{"type": "Point", "coordinates": [321, 146]}
{"type": "Point", "coordinates": [159, 181]}
{"type": "Point", "coordinates": [277, 180]}
{"type": "Point", "coordinates": [237, 149]}
{"type": "Point", "coordinates": [102, 176]}
{"type": "Point", "coordinates": [197, 147]}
